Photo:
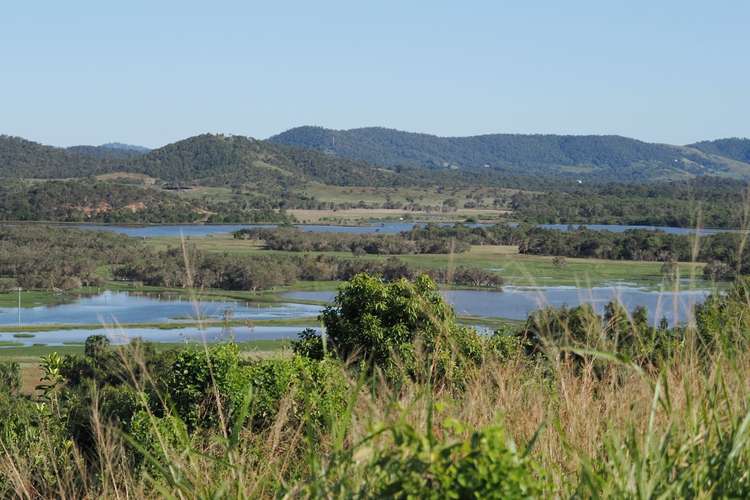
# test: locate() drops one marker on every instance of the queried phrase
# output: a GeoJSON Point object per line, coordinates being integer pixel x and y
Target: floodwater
{"type": "Point", "coordinates": [175, 230]}
{"type": "Point", "coordinates": [518, 302]}
{"type": "Point", "coordinates": [189, 334]}
{"type": "Point", "coordinates": [120, 307]}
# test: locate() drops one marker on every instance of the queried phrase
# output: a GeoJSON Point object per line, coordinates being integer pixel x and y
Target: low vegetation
{"type": "Point", "coordinates": [296, 240]}
{"type": "Point", "coordinates": [727, 253]}
{"type": "Point", "coordinates": [398, 401]}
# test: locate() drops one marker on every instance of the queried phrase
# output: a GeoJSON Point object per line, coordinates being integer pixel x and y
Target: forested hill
{"type": "Point", "coordinates": [220, 159]}
{"type": "Point", "coordinates": [22, 158]}
{"type": "Point", "coordinates": [613, 157]}
{"type": "Point", "coordinates": [382, 157]}
{"type": "Point", "coordinates": [203, 159]}
{"type": "Point", "coordinates": [735, 148]}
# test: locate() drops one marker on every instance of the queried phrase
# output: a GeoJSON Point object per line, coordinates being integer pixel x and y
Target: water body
{"type": "Point", "coordinates": [518, 302]}
{"type": "Point", "coordinates": [189, 334]}
{"type": "Point", "coordinates": [175, 230]}
{"type": "Point", "coordinates": [121, 307]}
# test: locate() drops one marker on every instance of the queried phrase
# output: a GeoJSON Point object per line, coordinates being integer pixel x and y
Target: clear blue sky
{"type": "Point", "coordinates": [151, 72]}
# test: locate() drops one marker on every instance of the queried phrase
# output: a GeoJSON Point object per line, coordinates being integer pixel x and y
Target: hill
{"type": "Point", "coordinates": [220, 159]}
{"type": "Point", "coordinates": [381, 157]}
{"type": "Point", "coordinates": [205, 159]}
{"type": "Point", "coordinates": [20, 158]}
{"type": "Point", "coordinates": [735, 148]}
{"type": "Point", "coordinates": [614, 158]}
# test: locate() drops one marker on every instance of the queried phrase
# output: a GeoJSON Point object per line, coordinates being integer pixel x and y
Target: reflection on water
{"type": "Point", "coordinates": [121, 307]}
{"type": "Point", "coordinates": [518, 302]}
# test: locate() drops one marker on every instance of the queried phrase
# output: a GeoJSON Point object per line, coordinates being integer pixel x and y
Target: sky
{"type": "Point", "coordinates": [153, 72]}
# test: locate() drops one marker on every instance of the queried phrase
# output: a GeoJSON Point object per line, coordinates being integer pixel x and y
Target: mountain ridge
{"type": "Point", "coordinates": [379, 156]}
{"type": "Point", "coordinates": [621, 158]}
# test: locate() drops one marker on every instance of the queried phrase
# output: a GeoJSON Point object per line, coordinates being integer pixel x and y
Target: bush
{"type": "Point", "coordinates": [10, 377]}
{"type": "Point", "coordinates": [203, 383]}
{"type": "Point", "coordinates": [403, 328]}
{"type": "Point", "coordinates": [483, 466]}
{"type": "Point", "coordinates": [413, 465]}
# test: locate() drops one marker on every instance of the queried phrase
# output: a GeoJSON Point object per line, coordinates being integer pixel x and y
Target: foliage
{"type": "Point", "coordinates": [709, 201]}
{"type": "Point", "coordinates": [420, 466]}
{"type": "Point", "coordinates": [296, 240]}
{"type": "Point", "coordinates": [399, 326]}
{"type": "Point", "coordinates": [728, 249]}
{"type": "Point", "coordinates": [10, 377]}
{"type": "Point", "coordinates": [48, 257]}
{"type": "Point", "coordinates": [261, 272]}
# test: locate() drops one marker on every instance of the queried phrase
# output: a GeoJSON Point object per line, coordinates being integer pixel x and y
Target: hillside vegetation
{"type": "Point", "coordinates": [738, 149]}
{"type": "Point", "coordinates": [218, 159]}
{"type": "Point", "coordinates": [204, 159]}
{"type": "Point", "coordinates": [617, 158]}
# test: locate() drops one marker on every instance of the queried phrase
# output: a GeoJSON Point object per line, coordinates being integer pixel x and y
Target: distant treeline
{"type": "Point", "coordinates": [261, 272]}
{"type": "Point", "coordinates": [726, 253]}
{"type": "Point", "coordinates": [708, 201]}
{"type": "Point", "coordinates": [43, 257]}
{"type": "Point", "coordinates": [296, 240]}
{"type": "Point", "coordinates": [91, 200]}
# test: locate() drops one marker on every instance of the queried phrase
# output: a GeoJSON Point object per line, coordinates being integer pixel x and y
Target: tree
{"type": "Point", "coordinates": [403, 328]}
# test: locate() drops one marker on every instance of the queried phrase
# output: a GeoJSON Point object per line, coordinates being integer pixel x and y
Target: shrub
{"type": "Point", "coordinates": [310, 344]}
{"type": "Point", "coordinates": [403, 328]}
{"type": "Point", "coordinates": [10, 377]}
{"type": "Point", "coordinates": [204, 383]}
{"type": "Point", "coordinates": [410, 464]}
{"type": "Point", "coordinates": [483, 466]}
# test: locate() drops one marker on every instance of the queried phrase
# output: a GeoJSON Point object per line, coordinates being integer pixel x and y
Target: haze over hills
{"type": "Point", "coordinates": [611, 158]}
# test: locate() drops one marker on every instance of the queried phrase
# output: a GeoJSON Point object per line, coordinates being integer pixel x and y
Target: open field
{"type": "Point", "coordinates": [434, 195]}
{"type": "Point", "coordinates": [487, 204]}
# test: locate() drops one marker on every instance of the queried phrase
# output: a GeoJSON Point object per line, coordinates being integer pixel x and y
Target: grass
{"type": "Point", "coordinates": [626, 435]}
{"type": "Point", "coordinates": [517, 269]}
{"type": "Point", "coordinates": [428, 196]}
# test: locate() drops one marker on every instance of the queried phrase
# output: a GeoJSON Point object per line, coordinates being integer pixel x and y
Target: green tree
{"type": "Point", "coordinates": [403, 328]}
